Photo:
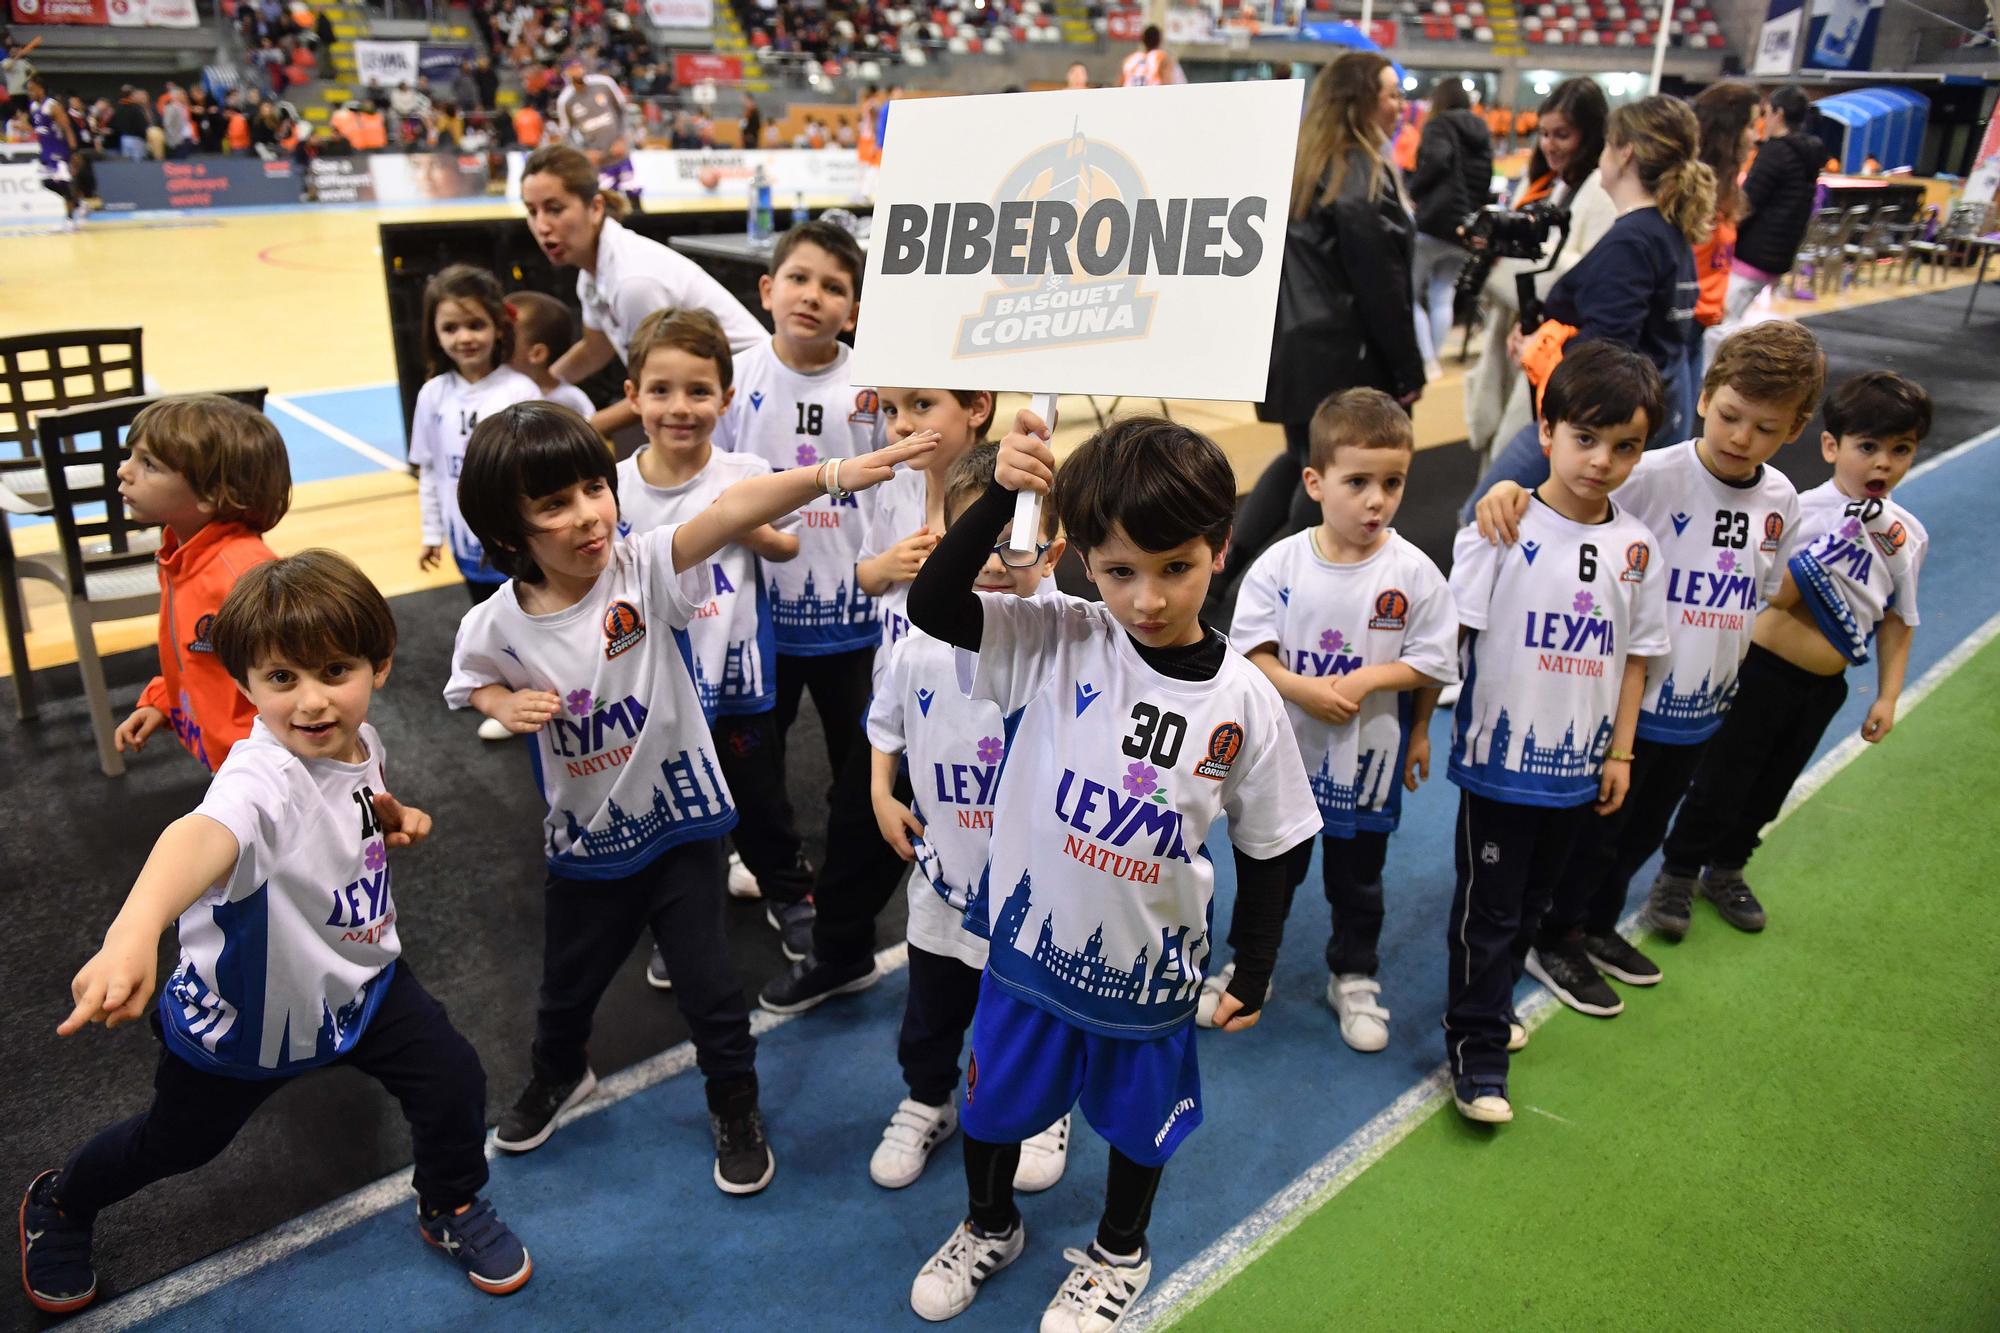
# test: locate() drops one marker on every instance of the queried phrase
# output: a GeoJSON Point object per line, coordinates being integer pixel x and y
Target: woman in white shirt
{"type": "Point", "coordinates": [622, 277]}
{"type": "Point", "coordinates": [1563, 170]}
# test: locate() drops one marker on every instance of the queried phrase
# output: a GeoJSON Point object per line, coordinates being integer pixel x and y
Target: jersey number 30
{"type": "Point", "coordinates": [1156, 735]}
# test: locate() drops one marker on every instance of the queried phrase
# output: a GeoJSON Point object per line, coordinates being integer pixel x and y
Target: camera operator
{"type": "Point", "coordinates": [1345, 318]}
{"type": "Point", "coordinates": [1454, 176]}
{"type": "Point", "coordinates": [1637, 286]}
{"type": "Point", "coordinates": [1562, 171]}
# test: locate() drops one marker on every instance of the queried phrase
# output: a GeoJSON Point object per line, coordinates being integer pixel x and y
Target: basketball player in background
{"type": "Point", "coordinates": [591, 112]}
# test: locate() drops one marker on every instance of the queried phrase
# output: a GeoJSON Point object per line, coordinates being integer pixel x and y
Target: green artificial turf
{"type": "Point", "coordinates": [1798, 1129]}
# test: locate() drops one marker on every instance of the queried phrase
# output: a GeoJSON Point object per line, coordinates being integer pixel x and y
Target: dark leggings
{"type": "Point", "coordinates": [1277, 506]}
{"type": "Point", "coordinates": [1128, 1194]}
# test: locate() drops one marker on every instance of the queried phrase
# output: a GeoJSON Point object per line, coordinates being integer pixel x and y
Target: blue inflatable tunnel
{"type": "Point", "coordinates": [1886, 124]}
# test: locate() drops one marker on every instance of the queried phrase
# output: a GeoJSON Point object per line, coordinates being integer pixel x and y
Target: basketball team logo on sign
{"type": "Point", "coordinates": [622, 628]}
{"type": "Point", "coordinates": [1084, 248]}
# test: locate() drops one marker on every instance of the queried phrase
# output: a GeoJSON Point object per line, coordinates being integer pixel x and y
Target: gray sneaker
{"type": "Point", "coordinates": [1670, 905]}
{"type": "Point", "coordinates": [1733, 899]}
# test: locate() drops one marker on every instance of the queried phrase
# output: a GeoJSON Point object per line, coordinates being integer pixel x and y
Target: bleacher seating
{"type": "Point", "coordinates": [1631, 23]}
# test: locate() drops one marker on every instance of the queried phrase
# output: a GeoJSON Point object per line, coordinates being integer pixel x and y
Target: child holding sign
{"type": "Point", "coordinates": [1135, 727]}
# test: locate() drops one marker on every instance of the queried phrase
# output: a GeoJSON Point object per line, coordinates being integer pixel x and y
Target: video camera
{"type": "Point", "coordinates": [1495, 233]}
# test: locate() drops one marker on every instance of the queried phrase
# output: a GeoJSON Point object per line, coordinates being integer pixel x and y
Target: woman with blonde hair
{"type": "Point", "coordinates": [1637, 286]}
{"type": "Point", "coordinates": [1345, 317]}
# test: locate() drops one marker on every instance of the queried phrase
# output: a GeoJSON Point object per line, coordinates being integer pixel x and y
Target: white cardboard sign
{"type": "Point", "coordinates": [1109, 241]}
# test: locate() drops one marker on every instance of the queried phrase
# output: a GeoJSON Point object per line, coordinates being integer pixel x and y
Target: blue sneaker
{"type": "Point", "coordinates": [1483, 1099]}
{"type": "Point", "coordinates": [474, 1235]}
{"type": "Point", "coordinates": [55, 1252]}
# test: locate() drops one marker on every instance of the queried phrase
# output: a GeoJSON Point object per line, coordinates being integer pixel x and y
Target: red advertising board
{"type": "Point", "coordinates": [89, 13]}
{"type": "Point", "coordinates": [108, 13]}
{"type": "Point", "coordinates": [1125, 25]}
{"type": "Point", "coordinates": [1382, 32]}
{"type": "Point", "coordinates": [699, 67]}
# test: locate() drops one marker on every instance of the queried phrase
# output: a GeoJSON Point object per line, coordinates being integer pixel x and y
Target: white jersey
{"type": "Point", "coordinates": [1857, 561]}
{"type": "Point", "coordinates": [636, 276]}
{"type": "Point", "coordinates": [594, 118]}
{"type": "Point", "coordinates": [889, 513]}
{"type": "Point", "coordinates": [734, 656]}
{"type": "Point", "coordinates": [627, 764]}
{"type": "Point", "coordinates": [1097, 890]}
{"type": "Point", "coordinates": [1554, 617]}
{"type": "Point", "coordinates": [1328, 619]}
{"type": "Point", "coordinates": [953, 746]}
{"type": "Point", "coordinates": [575, 399]}
{"type": "Point", "coordinates": [284, 962]}
{"type": "Point", "coordinates": [793, 419]}
{"type": "Point", "coordinates": [447, 410]}
{"type": "Point", "coordinates": [1723, 547]}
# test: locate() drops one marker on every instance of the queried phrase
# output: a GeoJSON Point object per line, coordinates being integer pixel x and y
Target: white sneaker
{"type": "Point", "coordinates": [493, 729]}
{"type": "Point", "coordinates": [912, 1133]}
{"type": "Point", "coordinates": [1517, 1038]}
{"type": "Point", "coordinates": [1098, 1292]}
{"type": "Point", "coordinates": [1490, 1108]}
{"type": "Point", "coordinates": [742, 884]}
{"type": "Point", "coordinates": [1043, 1158]}
{"type": "Point", "coordinates": [947, 1284]}
{"type": "Point", "coordinates": [1433, 371]}
{"type": "Point", "coordinates": [1364, 1024]}
{"type": "Point", "coordinates": [1213, 988]}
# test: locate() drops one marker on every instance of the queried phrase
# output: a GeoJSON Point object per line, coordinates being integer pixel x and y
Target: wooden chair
{"type": "Point", "coordinates": [47, 372]}
{"type": "Point", "coordinates": [1948, 248]}
{"type": "Point", "coordinates": [105, 565]}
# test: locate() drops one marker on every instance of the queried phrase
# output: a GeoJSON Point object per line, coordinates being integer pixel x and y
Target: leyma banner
{"type": "Point", "coordinates": [1109, 241]}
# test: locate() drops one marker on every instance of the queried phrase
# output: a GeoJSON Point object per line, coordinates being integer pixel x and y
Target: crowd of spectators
{"type": "Point", "coordinates": [287, 44]}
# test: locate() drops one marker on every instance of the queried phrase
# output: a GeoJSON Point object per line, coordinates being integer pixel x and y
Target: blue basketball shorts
{"type": "Point", "coordinates": [1029, 1067]}
{"type": "Point", "coordinates": [617, 177]}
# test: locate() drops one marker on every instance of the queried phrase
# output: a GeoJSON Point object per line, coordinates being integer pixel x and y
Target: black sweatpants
{"type": "Point", "coordinates": [1509, 858]}
{"type": "Point", "coordinates": [861, 872]}
{"type": "Point", "coordinates": [409, 1047]}
{"type": "Point", "coordinates": [1351, 871]}
{"type": "Point", "coordinates": [936, 1014]}
{"type": "Point", "coordinates": [1590, 896]}
{"type": "Point", "coordinates": [1129, 1190]}
{"type": "Point", "coordinates": [840, 684]}
{"type": "Point", "coordinates": [590, 926]}
{"type": "Point", "coordinates": [1774, 725]}
{"type": "Point", "coordinates": [767, 836]}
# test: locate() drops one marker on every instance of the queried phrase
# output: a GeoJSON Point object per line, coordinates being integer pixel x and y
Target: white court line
{"type": "Point", "coordinates": [336, 434]}
{"type": "Point", "coordinates": [1197, 1279]}
{"type": "Point", "coordinates": [176, 1289]}
{"type": "Point", "coordinates": [1199, 1276]}
{"type": "Point", "coordinates": [345, 388]}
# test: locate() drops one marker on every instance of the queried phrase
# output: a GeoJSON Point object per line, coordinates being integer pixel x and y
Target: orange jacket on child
{"type": "Point", "coordinates": [200, 700]}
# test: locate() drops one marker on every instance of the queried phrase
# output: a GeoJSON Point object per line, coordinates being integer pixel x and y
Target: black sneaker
{"type": "Point", "coordinates": [1733, 899]}
{"type": "Point", "coordinates": [809, 982]}
{"type": "Point", "coordinates": [532, 1118]}
{"type": "Point", "coordinates": [794, 924]}
{"type": "Point", "coordinates": [743, 1160]}
{"type": "Point", "coordinates": [1565, 969]}
{"type": "Point", "coordinates": [55, 1252]}
{"type": "Point", "coordinates": [656, 971]}
{"type": "Point", "coordinates": [1613, 955]}
{"type": "Point", "coordinates": [1669, 905]}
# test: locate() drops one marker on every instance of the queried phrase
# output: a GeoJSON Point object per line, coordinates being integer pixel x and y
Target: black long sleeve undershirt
{"type": "Point", "coordinates": [944, 606]}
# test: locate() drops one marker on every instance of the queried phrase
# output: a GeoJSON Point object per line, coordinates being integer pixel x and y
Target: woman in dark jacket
{"type": "Point", "coordinates": [1777, 205]}
{"type": "Point", "coordinates": [1454, 176]}
{"type": "Point", "coordinates": [1344, 312]}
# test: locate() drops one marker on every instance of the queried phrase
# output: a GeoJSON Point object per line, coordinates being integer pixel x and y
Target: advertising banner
{"type": "Point", "coordinates": [385, 64]}
{"type": "Point", "coordinates": [691, 67]}
{"type": "Point", "coordinates": [1778, 42]}
{"type": "Point", "coordinates": [107, 13]}
{"type": "Point", "coordinates": [681, 13]}
{"type": "Point", "coordinates": [439, 63]}
{"type": "Point", "coordinates": [725, 174]}
{"type": "Point", "coordinates": [1083, 249]}
{"type": "Point", "coordinates": [1841, 34]}
{"type": "Point", "coordinates": [398, 178]}
{"type": "Point", "coordinates": [196, 182]}
{"type": "Point", "coordinates": [22, 197]}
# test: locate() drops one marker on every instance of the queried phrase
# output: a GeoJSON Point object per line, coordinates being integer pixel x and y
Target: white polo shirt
{"type": "Point", "coordinates": [636, 276]}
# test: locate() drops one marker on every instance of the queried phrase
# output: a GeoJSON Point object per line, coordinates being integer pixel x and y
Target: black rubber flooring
{"type": "Point", "coordinates": [470, 900]}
